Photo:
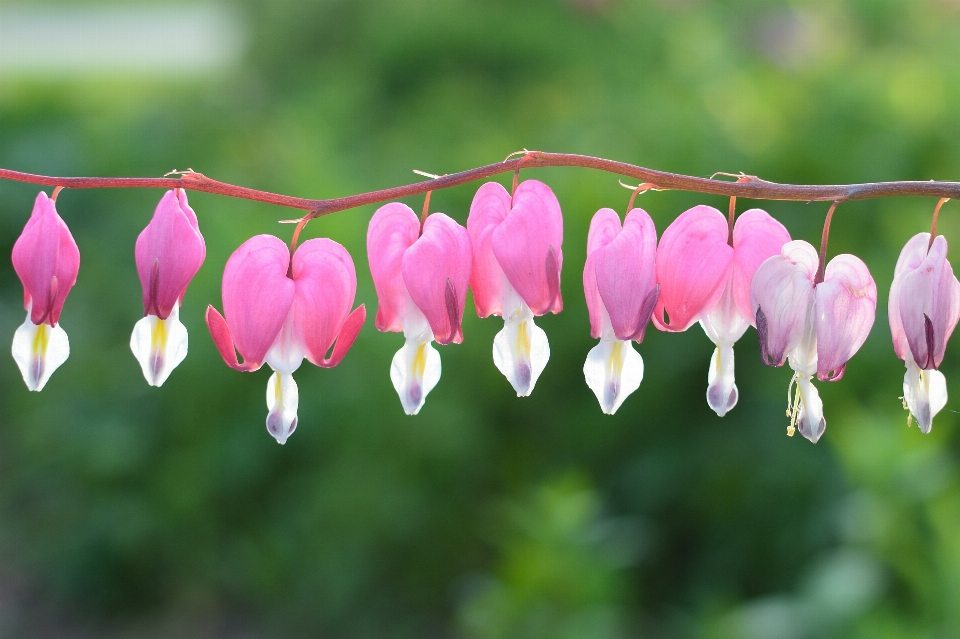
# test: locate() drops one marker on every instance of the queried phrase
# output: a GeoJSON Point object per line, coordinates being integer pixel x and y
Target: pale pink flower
{"type": "Point", "coordinates": [280, 312]}
{"type": "Point", "coordinates": [517, 258]}
{"type": "Point", "coordinates": [421, 282]}
{"type": "Point", "coordinates": [817, 326]}
{"type": "Point", "coordinates": [620, 284]}
{"type": "Point", "coordinates": [169, 252]}
{"type": "Point", "coordinates": [47, 260]}
{"type": "Point", "coordinates": [924, 308]}
{"type": "Point", "coordinates": [703, 278]}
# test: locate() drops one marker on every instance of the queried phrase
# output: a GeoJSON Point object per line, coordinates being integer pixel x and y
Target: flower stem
{"type": "Point", "coordinates": [933, 225]}
{"type": "Point", "coordinates": [821, 269]}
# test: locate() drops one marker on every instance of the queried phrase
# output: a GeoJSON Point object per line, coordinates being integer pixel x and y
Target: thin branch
{"type": "Point", "coordinates": [753, 188]}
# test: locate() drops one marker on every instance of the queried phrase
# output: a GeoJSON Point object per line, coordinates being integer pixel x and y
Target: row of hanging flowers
{"type": "Point", "coordinates": [283, 305]}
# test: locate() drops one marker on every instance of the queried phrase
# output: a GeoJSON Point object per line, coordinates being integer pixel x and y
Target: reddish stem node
{"type": "Point", "coordinates": [55, 193]}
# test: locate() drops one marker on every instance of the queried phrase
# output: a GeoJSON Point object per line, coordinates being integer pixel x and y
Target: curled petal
{"type": "Point", "coordinates": [627, 278]}
{"type": "Point", "coordinates": [326, 284]}
{"type": "Point", "coordinates": [415, 371]}
{"type": "Point", "coordinates": [283, 399]}
{"type": "Point", "coordinates": [169, 252]}
{"type": "Point", "coordinates": [928, 301]}
{"type": "Point", "coordinates": [348, 334]}
{"type": "Point", "coordinates": [436, 272]}
{"type": "Point", "coordinates": [846, 306]}
{"type": "Point", "coordinates": [257, 295]}
{"type": "Point", "coordinates": [693, 261]}
{"type": "Point", "coordinates": [925, 393]}
{"type": "Point", "coordinates": [47, 261]}
{"type": "Point", "coordinates": [39, 349]}
{"type": "Point", "coordinates": [613, 371]}
{"type": "Point", "coordinates": [722, 391]}
{"type": "Point", "coordinates": [527, 245]}
{"type": "Point", "coordinates": [489, 208]}
{"type": "Point", "coordinates": [160, 345]}
{"type": "Point", "coordinates": [393, 229]}
{"type": "Point", "coordinates": [756, 236]}
{"type": "Point", "coordinates": [782, 294]}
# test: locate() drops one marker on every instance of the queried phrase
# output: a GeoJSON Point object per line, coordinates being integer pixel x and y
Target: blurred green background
{"type": "Point", "coordinates": [127, 511]}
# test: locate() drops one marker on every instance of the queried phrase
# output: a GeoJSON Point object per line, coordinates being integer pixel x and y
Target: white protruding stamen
{"type": "Point", "coordinates": [39, 350]}
{"type": "Point", "coordinates": [159, 345]}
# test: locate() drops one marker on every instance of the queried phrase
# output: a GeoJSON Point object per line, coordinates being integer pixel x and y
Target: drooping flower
{"type": "Point", "coordinates": [280, 312]}
{"type": "Point", "coordinates": [169, 252]}
{"type": "Point", "coordinates": [421, 283]}
{"type": "Point", "coordinates": [47, 261]}
{"type": "Point", "coordinates": [517, 258]}
{"type": "Point", "coordinates": [817, 326]}
{"type": "Point", "coordinates": [620, 284]}
{"type": "Point", "coordinates": [924, 308]}
{"type": "Point", "coordinates": [704, 278]}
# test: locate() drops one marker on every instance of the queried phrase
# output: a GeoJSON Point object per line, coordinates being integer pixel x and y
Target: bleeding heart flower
{"type": "Point", "coordinates": [620, 284]}
{"type": "Point", "coordinates": [421, 283]}
{"type": "Point", "coordinates": [517, 259]}
{"type": "Point", "coordinates": [924, 308]}
{"type": "Point", "coordinates": [47, 260]}
{"type": "Point", "coordinates": [169, 252]}
{"type": "Point", "coordinates": [702, 277]}
{"type": "Point", "coordinates": [817, 326]}
{"type": "Point", "coordinates": [280, 312]}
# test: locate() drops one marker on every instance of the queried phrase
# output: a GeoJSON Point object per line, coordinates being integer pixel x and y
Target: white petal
{"type": "Point", "coordinates": [925, 393]}
{"type": "Point", "coordinates": [415, 370]}
{"type": "Point", "coordinates": [613, 370]}
{"type": "Point", "coordinates": [38, 351]}
{"type": "Point", "coordinates": [521, 352]}
{"type": "Point", "coordinates": [283, 397]}
{"type": "Point", "coordinates": [722, 391]}
{"type": "Point", "coordinates": [810, 422]}
{"type": "Point", "coordinates": [159, 345]}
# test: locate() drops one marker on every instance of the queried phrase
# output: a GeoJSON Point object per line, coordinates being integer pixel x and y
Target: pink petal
{"type": "Point", "coordinates": [604, 227]}
{"type": "Point", "coordinates": [393, 229]}
{"type": "Point", "coordinates": [692, 267]}
{"type": "Point", "coordinates": [782, 293]}
{"type": "Point", "coordinates": [527, 245]}
{"type": "Point", "coordinates": [911, 256]}
{"type": "Point", "coordinates": [846, 307]}
{"type": "Point", "coordinates": [257, 295]}
{"type": "Point", "coordinates": [489, 208]}
{"type": "Point", "coordinates": [348, 334]}
{"type": "Point", "coordinates": [223, 340]}
{"type": "Point", "coordinates": [436, 271]}
{"type": "Point", "coordinates": [756, 236]}
{"type": "Point", "coordinates": [326, 284]}
{"type": "Point", "coordinates": [626, 276]}
{"type": "Point", "coordinates": [169, 252]}
{"type": "Point", "coordinates": [47, 261]}
{"type": "Point", "coordinates": [929, 302]}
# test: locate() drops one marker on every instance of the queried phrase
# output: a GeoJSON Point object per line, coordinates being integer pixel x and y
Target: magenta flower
{"type": "Point", "coordinates": [47, 260]}
{"type": "Point", "coordinates": [517, 259]}
{"type": "Point", "coordinates": [817, 326]}
{"type": "Point", "coordinates": [620, 284]}
{"type": "Point", "coordinates": [703, 278]}
{"type": "Point", "coordinates": [421, 283]}
{"type": "Point", "coordinates": [280, 313]}
{"type": "Point", "coordinates": [169, 253]}
{"type": "Point", "coordinates": [924, 308]}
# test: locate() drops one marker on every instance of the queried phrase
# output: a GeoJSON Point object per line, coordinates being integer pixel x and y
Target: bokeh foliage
{"type": "Point", "coordinates": [127, 511]}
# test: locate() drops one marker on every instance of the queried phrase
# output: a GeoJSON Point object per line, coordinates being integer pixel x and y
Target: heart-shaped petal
{"type": "Point", "coordinates": [846, 308]}
{"type": "Point", "coordinates": [604, 227]}
{"type": "Point", "coordinates": [489, 208]}
{"type": "Point", "coordinates": [393, 229]}
{"type": "Point", "coordinates": [436, 272]}
{"type": "Point", "coordinates": [627, 276]}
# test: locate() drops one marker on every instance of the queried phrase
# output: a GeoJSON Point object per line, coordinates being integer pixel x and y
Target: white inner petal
{"type": "Point", "coordinates": [285, 354]}
{"type": "Point", "coordinates": [415, 370]}
{"type": "Point", "coordinates": [521, 350]}
{"type": "Point", "coordinates": [283, 397]}
{"type": "Point", "coordinates": [925, 393]}
{"type": "Point", "coordinates": [613, 370]}
{"type": "Point", "coordinates": [159, 345]}
{"type": "Point", "coordinates": [38, 351]}
{"type": "Point", "coordinates": [722, 393]}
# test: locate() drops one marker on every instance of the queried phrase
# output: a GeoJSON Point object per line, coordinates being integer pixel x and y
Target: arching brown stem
{"type": "Point", "coordinates": [821, 269]}
{"type": "Point", "coordinates": [933, 225]}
